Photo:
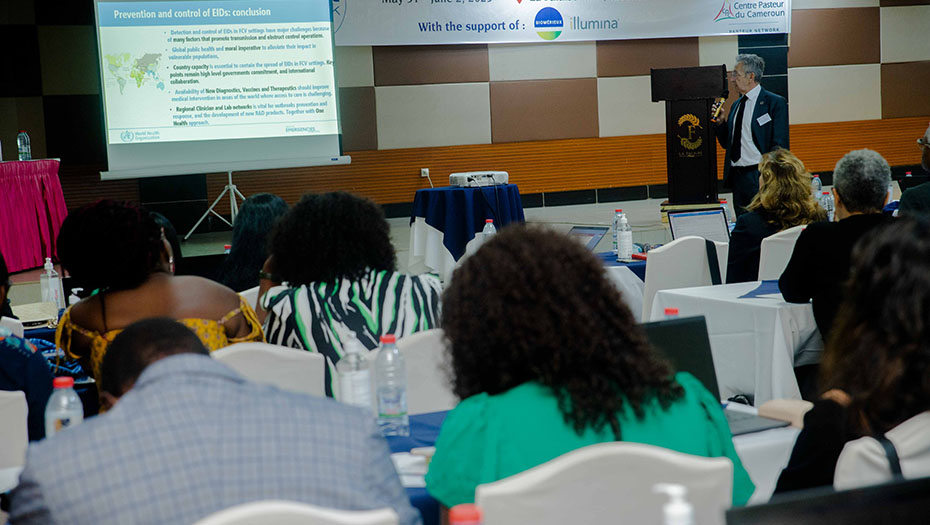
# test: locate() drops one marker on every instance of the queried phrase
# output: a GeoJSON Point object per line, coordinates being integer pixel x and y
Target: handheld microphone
{"type": "Point", "coordinates": [719, 109]}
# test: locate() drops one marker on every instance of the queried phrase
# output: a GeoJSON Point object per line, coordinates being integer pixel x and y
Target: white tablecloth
{"type": "Point", "coordinates": [756, 342]}
{"type": "Point", "coordinates": [764, 455]}
{"type": "Point", "coordinates": [9, 478]}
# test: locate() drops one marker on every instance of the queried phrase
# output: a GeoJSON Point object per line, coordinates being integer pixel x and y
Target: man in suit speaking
{"type": "Point", "coordinates": [757, 124]}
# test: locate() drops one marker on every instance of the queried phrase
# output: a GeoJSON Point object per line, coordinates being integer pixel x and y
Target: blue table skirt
{"type": "Point", "coordinates": [460, 213]}
{"type": "Point", "coordinates": [44, 333]}
{"type": "Point", "coordinates": [637, 267]}
{"type": "Point", "coordinates": [424, 429]}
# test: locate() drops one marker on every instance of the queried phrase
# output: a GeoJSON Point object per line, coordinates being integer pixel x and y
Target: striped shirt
{"type": "Point", "coordinates": [318, 317]}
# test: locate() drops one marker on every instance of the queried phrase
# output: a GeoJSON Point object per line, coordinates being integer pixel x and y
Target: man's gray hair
{"type": "Point", "coordinates": [752, 64]}
{"type": "Point", "coordinates": [861, 178]}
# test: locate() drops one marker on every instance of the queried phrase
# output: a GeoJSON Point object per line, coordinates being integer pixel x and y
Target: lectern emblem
{"type": "Point", "coordinates": [689, 125]}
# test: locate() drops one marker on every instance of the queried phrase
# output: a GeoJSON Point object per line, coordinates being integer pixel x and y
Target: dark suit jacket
{"type": "Point", "coordinates": [745, 246]}
{"type": "Point", "coordinates": [773, 134]}
{"type": "Point", "coordinates": [916, 200]}
{"type": "Point", "coordinates": [819, 265]}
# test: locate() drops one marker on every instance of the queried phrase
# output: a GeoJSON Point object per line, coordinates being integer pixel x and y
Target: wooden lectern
{"type": "Point", "coordinates": [691, 147]}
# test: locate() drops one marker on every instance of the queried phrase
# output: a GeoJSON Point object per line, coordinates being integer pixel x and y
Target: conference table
{"type": "Point", "coordinates": [756, 337]}
{"type": "Point", "coordinates": [32, 208]}
{"type": "Point", "coordinates": [445, 220]}
{"type": "Point", "coordinates": [629, 278]}
{"type": "Point", "coordinates": [763, 454]}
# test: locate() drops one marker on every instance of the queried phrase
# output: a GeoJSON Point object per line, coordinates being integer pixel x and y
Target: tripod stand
{"type": "Point", "coordinates": [233, 205]}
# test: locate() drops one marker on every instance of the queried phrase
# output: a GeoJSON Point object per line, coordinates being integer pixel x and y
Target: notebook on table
{"type": "Point", "coordinates": [684, 342]}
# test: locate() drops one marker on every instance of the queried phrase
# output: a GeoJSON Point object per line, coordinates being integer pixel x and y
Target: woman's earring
{"type": "Point", "coordinates": [171, 263]}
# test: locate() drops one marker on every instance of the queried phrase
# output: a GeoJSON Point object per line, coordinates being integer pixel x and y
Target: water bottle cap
{"type": "Point", "coordinates": [826, 193]}
{"type": "Point", "coordinates": [908, 174]}
{"type": "Point", "coordinates": [671, 311]}
{"type": "Point", "coordinates": [388, 339]}
{"type": "Point", "coordinates": [618, 210]}
{"type": "Point", "coordinates": [816, 176]}
{"type": "Point", "coordinates": [723, 201]}
{"type": "Point", "coordinates": [63, 382]}
{"type": "Point", "coordinates": [227, 246]}
{"type": "Point", "coordinates": [48, 264]}
{"type": "Point", "coordinates": [465, 512]}
{"type": "Point", "coordinates": [489, 220]}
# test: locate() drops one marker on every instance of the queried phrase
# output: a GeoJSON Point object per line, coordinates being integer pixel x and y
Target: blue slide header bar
{"type": "Point", "coordinates": [212, 12]}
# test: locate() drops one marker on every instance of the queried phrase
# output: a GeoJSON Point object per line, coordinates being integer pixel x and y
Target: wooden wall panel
{"type": "Point", "coordinates": [394, 175]}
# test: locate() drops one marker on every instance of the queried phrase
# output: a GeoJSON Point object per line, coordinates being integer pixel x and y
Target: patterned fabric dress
{"type": "Point", "coordinates": [318, 317]}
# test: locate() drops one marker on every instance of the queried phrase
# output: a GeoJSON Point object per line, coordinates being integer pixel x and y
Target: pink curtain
{"type": "Point", "coordinates": [32, 208]}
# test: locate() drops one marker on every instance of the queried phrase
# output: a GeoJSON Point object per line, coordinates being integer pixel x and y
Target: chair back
{"type": "Point", "coordinates": [776, 251]}
{"type": "Point", "coordinates": [428, 388]}
{"type": "Point", "coordinates": [14, 325]}
{"type": "Point", "coordinates": [294, 513]}
{"type": "Point", "coordinates": [251, 297]}
{"type": "Point", "coordinates": [608, 483]}
{"type": "Point", "coordinates": [866, 461]}
{"type": "Point", "coordinates": [14, 431]}
{"type": "Point", "coordinates": [287, 368]}
{"type": "Point", "coordinates": [681, 263]}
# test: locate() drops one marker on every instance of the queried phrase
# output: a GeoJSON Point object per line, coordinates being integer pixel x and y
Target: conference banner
{"type": "Point", "coordinates": [409, 22]}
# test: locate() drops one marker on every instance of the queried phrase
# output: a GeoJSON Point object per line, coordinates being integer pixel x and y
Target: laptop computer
{"type": "Point", "coordinates": [684, 342]}
{"type": "Point", "coordinates": [906, 183]}
{"type": "Point", "coordinates": [588, 235]}
{"type": "Point", "coordinates": [894, 502]}
{"type": "Point", "coordinates": [710, 224]}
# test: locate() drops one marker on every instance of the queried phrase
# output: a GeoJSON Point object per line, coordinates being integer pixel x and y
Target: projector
{"type": "Point", "coordinates": [472, 179]}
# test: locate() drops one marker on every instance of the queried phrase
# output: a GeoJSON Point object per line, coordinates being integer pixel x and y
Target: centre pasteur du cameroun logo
{"type": "Point", "coordinates": [549, 23]}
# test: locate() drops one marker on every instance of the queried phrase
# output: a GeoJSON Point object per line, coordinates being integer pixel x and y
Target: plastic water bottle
{"type": "Point", "coordinates": [826, 201]}
{"type": "Point", "coordinates": [391, 380]}
{"type": "Point", "coordinates": [624, 240]}
{"type": "Point", "coordinates": [671, 313]}
{"type": "Point", "coordinates": [677, 511]}
{"type": "Point", "coordinates": [489, 228]}
{"type": "Point", "coordinates": [615, 230]}
{"type": "Point", "coordinates": [23, 146]}
{"type": "Point", "coordinates": [354, 375]}
{"type": "Point", "coordinates": [890, 193]}
{"type": "Point", "coordinates": [50, 285]}
{"type": "Point", "coordinates": [75, 296]}
{"type": "Point", "coordinates": [64, 408]}
{"type": "Point", "coordinates": [816, 185]}
{"type": "Point", "coordinates": [466, 514]}
{"type": "Point", "coordinates": [726, 210]}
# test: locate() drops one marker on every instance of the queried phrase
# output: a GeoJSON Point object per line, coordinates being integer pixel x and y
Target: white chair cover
{"type": "Point", "coordinates": [428, 388]}
{"type": "Point", "coordinates": [251, 297]}
{"type": "Point", "coordinates": [863, 461]}
{"type": "Point", "coordinates": [14, 432]}
{"type": "Point", "coordinates": [681, 263]}
{"type": "Point", "coordinates": [608, 483]}
{"type": "Point", "coordinates": [776, 252]}
{"type": "Point", "coordinates": [14, 325]}
{"type": "Point", "coordinates": [287, 368]}
{"type": "Point", "coordinates": [293, 513]}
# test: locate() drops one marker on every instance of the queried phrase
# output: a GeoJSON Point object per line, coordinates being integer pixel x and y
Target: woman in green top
{"type": "Point", "coordinates": [547, 359]}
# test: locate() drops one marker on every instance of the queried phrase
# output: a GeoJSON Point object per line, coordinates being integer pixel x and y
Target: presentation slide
{"type": "Point", "coordinates": [182, 71]}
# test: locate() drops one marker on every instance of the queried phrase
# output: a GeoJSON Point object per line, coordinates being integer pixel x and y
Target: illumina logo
{"type": "Point", "coordinates": [726, 12]}
{"type": "Point", "coordinates": [549, 23]}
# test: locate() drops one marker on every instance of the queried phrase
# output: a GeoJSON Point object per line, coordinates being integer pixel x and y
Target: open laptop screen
{"type": "Point", "coordinates": [709, 224]}
{"type": "Point", "coordinates": [588, 235]}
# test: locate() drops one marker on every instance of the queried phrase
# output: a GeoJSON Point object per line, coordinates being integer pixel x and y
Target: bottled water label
{"type": "Point", "coordinates": [392, 411]}
{"type": "Point", "coordinates": [625, 251]}
{"type": "Point", "coordinates": [355, 388]}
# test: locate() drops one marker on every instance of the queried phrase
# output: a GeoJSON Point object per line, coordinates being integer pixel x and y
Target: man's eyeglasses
{"type": "Point", "coordinates": [923, 143]}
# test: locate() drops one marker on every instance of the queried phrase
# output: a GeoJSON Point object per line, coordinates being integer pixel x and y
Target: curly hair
{"type": "Point", "coordinates": [331, 236]}
{"type": "Point", "coordinates": [110, 245]}
{"type": "Point", "coordinates": [879, 350]}
{"type": "Point", "coordinates": [256, 218]}
{"type": "Point", "coordinates": [784, 197]}
{"type": "Point", "coordinates": [535, 305]}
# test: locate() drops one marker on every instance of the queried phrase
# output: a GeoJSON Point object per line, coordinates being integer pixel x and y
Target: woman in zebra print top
{"type": "Point", "coordinates": [334, 253]}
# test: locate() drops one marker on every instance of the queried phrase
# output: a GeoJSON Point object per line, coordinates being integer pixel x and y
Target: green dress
{"type": "Point", "coordinates": [487, 438]}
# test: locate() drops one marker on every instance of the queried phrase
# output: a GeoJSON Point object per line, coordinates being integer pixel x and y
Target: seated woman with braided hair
{"type": "Point", "coordinates": [119, 250]}
{"type": "Point", "coordinates": [546, 359]}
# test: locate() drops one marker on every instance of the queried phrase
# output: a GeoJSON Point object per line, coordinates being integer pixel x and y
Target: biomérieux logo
{"type": "Point", "coordinates": [726, 12]}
